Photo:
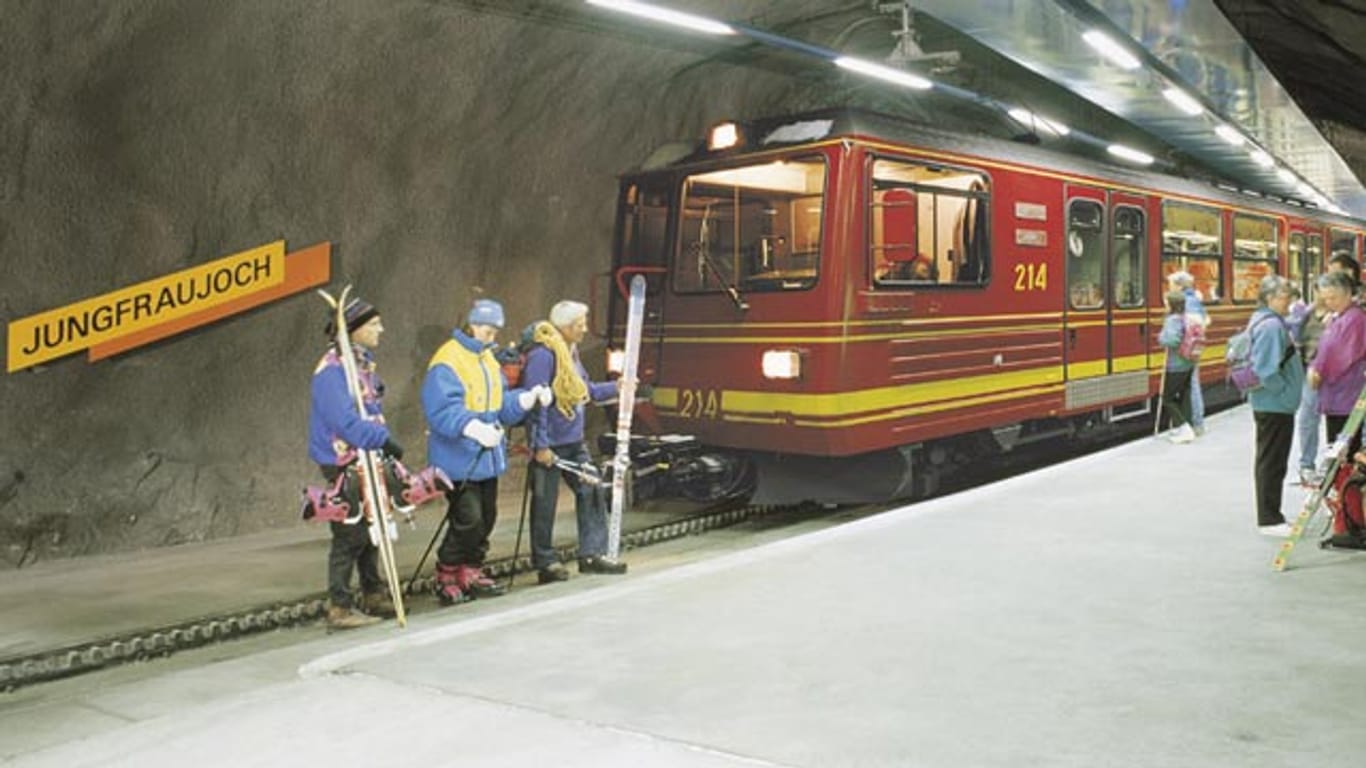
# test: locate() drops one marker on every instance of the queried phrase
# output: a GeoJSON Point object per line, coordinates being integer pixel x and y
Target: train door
{"type": "Point", "coordinates": [1104, 313]}
{"type": "Point", "coordinates": [1304, 256]}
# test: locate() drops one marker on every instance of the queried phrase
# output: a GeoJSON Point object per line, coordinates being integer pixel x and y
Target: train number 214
{"type": "Point", "coordinates": [1031, 277]}
{"type": "Point", "coordinates": [699, 403]}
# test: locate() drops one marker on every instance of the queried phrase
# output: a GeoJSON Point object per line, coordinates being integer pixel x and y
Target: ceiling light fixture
{"type": "Point", "coordinates": [1130, 154]}
{"type": "Point", "coordinates": [898, 76]}
{"type": "Point", "coordinates": [1260, 157]}
{"type": "Point", "coordinates": [1183, 101]}
{"type": "Point", "coordinates": [1230, 134]}
{"type": "Point", "coordinates": [1107, 47]}
{"type": "Point", "coordinates": [676, 18]}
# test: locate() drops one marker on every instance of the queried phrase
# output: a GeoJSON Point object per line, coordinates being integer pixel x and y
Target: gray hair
{"type": "Point", "coordinates": [563, 314]}
{"type": "Point", "coordinates": [1182, 279]}
{"type": "Point", "coordinates": [1334, 279]}
{"type": "Point", "coordinates": [1272, 285]}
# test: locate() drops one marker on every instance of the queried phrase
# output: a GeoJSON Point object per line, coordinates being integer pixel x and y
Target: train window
{"type": "Point", "coordinates": [751, 228]}
{"type": "Point", "coordinates": [1085, 254]}
{"type": "Point", "coordinates": [1343, 242]}
{"type": "Point", "coordinates": [644, 217]}
{"type": "Point", "coordinates": [1192, 240]}
{"type": "Point", "coordinates": [1301, 274]}
{"type": "Point", "coordinates": [1254, 254]}
{"type": "Point", "coordinates": [1131, 255]}
{"type": "Point", "coordinates": [928, 225]}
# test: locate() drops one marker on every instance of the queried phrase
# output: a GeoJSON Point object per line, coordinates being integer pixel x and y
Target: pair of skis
{"type": "Point", "coordinates": [1338, 454]}
{"type": "Point", "coordinates": [626, 406]}
{"type": "Point", "coordinates": [375, 494]}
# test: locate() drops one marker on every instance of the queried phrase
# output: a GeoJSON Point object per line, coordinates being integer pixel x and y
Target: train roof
{"type": "Point", "coordinates": [823, 125]}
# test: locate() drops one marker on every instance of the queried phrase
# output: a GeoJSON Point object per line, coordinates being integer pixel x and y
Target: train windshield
{"type": "Point", "coordinates": [754, 228]}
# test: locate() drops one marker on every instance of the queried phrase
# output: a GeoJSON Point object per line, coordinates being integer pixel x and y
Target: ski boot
{"type": "Point", "coordinates": [326, 505]}
{"type": "Point", "coordinates": [410, 489]}
{"type": "Point", "coordinates": [448, 589]}
{"type": "Point", "coordinates": [474, 583]}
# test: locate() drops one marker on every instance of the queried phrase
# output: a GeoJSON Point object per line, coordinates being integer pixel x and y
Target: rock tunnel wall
{"type": "Point", "coordinates": [441, 146]}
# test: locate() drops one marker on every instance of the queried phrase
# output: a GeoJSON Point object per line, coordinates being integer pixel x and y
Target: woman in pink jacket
{"type": "Point", "coordinates": [1339, 368]}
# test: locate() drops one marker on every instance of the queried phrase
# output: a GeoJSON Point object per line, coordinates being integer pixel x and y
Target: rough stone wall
{"type": "Point", "coordinates": [441, 145]}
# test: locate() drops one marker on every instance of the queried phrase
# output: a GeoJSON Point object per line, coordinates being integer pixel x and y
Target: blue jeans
{"type": "Point", "coordinates": [1197, 399]}
{"type": "Point", "coordinates": [590, 507]}
{"type": "Point", "coordinates": [1307, 422]}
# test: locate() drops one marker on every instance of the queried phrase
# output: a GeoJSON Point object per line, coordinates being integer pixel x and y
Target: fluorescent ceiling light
{"type": "Point", "coordinates": [898, 76]}
{"type": "Point", "coordinates": [1286, 175]}
{"type": "Point", "coordinates": [1130, 154]}
{"type": "Point", "coordinates": [1038, 122]}
{"type": "Point", "coordinates": [676, 18]}
{"type": "Point", "coordinates": [1261, 158]}
{"type": "Point", "coordinates": [1230, 134]}
{"type": "Point", "coordinates": [1305, 190]}
{"type": "Point", "coordinates": [1107, 47]}
{"type": "Point", "coordinates": [1183, 101]}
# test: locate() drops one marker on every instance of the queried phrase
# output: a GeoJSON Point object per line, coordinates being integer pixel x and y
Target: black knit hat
{"type": "Point", "coordinates": [358, 313]}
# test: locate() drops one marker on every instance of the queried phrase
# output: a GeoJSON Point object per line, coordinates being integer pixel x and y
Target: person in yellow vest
{"type": "Point", "coordinates": [467, 409]}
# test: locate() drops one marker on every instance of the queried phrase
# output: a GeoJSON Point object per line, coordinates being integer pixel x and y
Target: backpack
{"type": "Point", "coordinates": [1192, 340]}
{"type": "Point", "coordinates": [1238, 355]}
{"type": "Point", "coordinates": [512, 358]}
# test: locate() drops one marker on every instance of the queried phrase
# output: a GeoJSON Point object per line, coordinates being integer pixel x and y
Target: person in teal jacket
{"type": "Point", "coordinates": [1275, 401]}
{"type": "Point", "coordinates": [467, 406]}
{"type": "Point", "coordinates": [1176, 387]}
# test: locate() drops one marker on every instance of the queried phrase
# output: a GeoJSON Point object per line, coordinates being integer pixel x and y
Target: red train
{"type": "Point", "coordinates": [864, 303]}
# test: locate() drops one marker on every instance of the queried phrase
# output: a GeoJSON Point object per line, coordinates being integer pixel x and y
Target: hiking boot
{"type": "Point", "coordinates": [339, 617]}
{"type": "Point", "coordinates": [552, 572]}
{"type": "Point", "coordinates": [474, 583]}
{"type": "Point", "coordinates": [448, 585]}
{"type": "Point", "coordinates": [378, 604]}
{"type": "Point", "coordinates": [600, 564]}
{"type": "Point", "coordinates": [1344, 541]}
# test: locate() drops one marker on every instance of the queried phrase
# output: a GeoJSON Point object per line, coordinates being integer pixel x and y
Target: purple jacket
{"type": "Point", "coordinates": [547, 426]}
{"type": "Point", "coordinates": [1341, 362]}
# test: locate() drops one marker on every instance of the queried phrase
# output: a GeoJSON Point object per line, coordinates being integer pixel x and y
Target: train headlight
{"type": "Point", "coordinates": [782, 364]}
{"type": "Point", "coordinates": [723, 136]}
{"type": "Point", "coordinates": [616, 360]}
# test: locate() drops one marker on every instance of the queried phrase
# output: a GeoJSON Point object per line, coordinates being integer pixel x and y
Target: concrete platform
{"type": "Point", "coordinates": [1116, 610]}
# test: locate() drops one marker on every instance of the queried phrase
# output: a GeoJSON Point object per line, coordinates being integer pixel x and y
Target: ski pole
{"type": "Point", "coordinates": [442, 525]}
{"type": "Point", "coordinates": [521, 524]}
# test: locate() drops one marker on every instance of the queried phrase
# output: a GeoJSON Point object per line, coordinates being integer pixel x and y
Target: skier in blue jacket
{"type": "Point", "coordinates": [336, 431]}
{"type": "Point", "coordinates": [467, 406]}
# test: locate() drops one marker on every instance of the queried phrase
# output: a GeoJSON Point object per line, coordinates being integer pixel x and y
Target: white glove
{"type": "Point", "coordinates": [544, 394]}
{"type": "Point", "coordinates": [487, 435]}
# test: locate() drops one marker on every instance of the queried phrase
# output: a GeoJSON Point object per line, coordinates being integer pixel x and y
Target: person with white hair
{"type": "Point", "coordinates": [557, 433]}
{"type": "Point", "coordinates": [1195, 313]}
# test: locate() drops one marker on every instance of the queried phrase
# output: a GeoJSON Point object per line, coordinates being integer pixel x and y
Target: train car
{"type": "Point", "coordinates": [844, 306]}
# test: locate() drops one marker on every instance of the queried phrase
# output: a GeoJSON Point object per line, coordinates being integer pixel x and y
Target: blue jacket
{"type": "Point", "coordinates": [334, 425]}
{"type": "Point", "coordinates": [1173, 328]}
{"type": "Point", "coordinates": [463, 383]}
{"type": "Point", "coordinates": [548, 426]}
{"type": "Point", "coordinates": [1194, 306]}
{"type": "Point", "coordinates": [1281, 383]}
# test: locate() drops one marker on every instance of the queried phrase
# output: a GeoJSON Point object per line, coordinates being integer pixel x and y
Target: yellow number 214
{"type": "Point", "coordinates": [1031, 277]}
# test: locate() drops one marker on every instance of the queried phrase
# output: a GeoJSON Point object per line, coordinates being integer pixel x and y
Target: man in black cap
{"type": "Point", "coordinates": [336, 432]}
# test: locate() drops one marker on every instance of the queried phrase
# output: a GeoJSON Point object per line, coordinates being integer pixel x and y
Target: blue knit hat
{"type": "Point", "coordinates": [486, 312]}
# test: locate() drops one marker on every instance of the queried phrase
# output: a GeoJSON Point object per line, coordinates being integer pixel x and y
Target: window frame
{"type": "Point", "coordinates": [1142, 241]}
{"type": "Point", "coordinates": [1235, 259]}
{"type": "Point", "coordinates": [870, 183]}
{"type": "Point", "coordinates": [1183, 258]}
{"type": "Point", "coordinates": [679, 206]}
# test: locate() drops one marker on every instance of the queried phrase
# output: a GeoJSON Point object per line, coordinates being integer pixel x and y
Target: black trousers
{"type": "Point", "coordinates": [1275, 431]}
{"type": "Point", "coordinates": [1335, 425]}
{"type": "Point", "coordinates": [471, 511]}
{"type": "Point", "coordinates": [351, 546]}
{"type": "Point", "coordinates": [1176, 397]}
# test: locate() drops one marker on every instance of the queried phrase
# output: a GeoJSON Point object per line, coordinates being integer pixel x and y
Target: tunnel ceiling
{"type": "Point", "coordinates": [1297, 105]}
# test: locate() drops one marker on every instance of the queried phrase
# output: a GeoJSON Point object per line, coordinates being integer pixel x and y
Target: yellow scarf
{"type": "Point", "coordinates": [569, 388]}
